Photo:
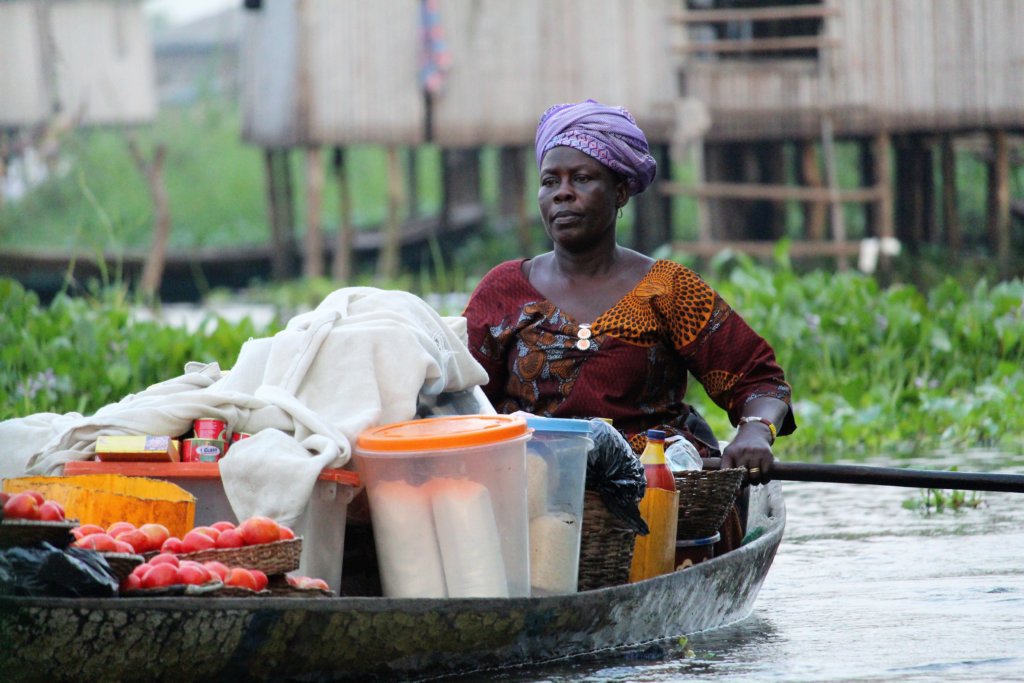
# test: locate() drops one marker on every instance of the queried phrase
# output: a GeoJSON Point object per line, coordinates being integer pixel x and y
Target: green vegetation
{"type": "Point", "coordinates": [875, 370]}
{"type": "Point", "coordinates": [79, 354]}
{"type": "Point", "coordinates": [886, 370]}
{"type": "Point", "coordinates": [940, 500]}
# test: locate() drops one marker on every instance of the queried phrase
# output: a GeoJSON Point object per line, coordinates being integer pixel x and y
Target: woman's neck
{"type": "Point", "coordinates": [586, 285]}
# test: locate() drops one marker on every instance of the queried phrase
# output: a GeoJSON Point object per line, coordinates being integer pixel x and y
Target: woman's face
{"type": "Point", "coordinates": [578, 197]}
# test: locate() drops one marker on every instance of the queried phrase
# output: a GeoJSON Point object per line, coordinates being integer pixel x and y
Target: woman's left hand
{"type": "Point", "coordinates": [751, 448]}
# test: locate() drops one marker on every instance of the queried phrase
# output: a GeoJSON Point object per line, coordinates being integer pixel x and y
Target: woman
{"type": "Point", "coordinates": [594, 329]}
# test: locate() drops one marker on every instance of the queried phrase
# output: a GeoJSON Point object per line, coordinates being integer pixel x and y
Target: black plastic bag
{"type": "Point", "coordinates": [43, 569]}
{"type": "Point", "coordinates": [615, 473]}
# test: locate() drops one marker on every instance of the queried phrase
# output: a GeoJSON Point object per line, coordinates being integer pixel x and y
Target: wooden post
{"type": "Point", "coordinates": [866, 167]}
{"type": "Point", "coordinates": [279, 205]}
{"type": "Point", "coordinates": [999, 201]}
{"type": "Point", "coordinates": [926, 158]}
{"type": "Point", "coordinates": [153, 171]}
{"type": "Point", "coordinates": [882, 174]}
{"type": "Point", "coordinates": [950, 216]}
{"type": "Point", "coordinates": [4, 143]}
{"type": "Point", "coordinates": [313, 266]}
{"type": "Point", "coordinates": [838, 219]}
{"type": "Point", "coordinates": [809, 174]}
{"type": "Point", "coordinates": [704, 234]}
{"type": "Point", "coordinates": [341, 268]}
{"type": "Point", "coordinates": [512, 195]}
{"type": "Point", "coordinates": [412, 182]}
{"type": "Point", "coordinates": [387, 259]}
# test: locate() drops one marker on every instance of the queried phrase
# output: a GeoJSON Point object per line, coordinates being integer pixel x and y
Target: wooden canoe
{"type": "Point", "coordinates": [184, 639]}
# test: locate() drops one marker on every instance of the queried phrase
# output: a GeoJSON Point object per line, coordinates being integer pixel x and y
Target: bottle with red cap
{"type": "Point", "coordinates": [654, 554]}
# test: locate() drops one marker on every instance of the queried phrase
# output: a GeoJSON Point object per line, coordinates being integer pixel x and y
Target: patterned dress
{"type": "Point", "coordinates": [631, 363]}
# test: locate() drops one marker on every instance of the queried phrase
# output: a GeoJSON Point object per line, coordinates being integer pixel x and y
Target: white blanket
{"type": "Point", "coordinates": [363, 357]}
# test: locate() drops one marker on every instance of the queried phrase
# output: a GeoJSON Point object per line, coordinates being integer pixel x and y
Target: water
{"type": "Point", "coordinates": [863, 589]}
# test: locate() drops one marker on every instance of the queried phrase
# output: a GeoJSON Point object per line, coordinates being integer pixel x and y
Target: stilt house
{"type": "Point", "coordinates": [763, 92]}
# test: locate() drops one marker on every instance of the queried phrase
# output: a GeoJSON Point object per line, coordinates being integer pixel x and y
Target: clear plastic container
{"type": "Point", "coordinates": [556, 468]}
{"type": "Point", "coordinates": [447, 502]}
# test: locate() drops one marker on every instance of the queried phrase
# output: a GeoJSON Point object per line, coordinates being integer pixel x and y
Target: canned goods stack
{"type": "Point", "coordinates": [209, 442]}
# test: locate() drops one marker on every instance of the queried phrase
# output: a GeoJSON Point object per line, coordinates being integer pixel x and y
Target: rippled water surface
{"type": "Point", "coordinates": [863, 589]}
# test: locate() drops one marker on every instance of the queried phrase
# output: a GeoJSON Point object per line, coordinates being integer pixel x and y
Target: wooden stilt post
{"type": "Point", "coordinates": [950, 216]}
{"type": "Point", "coordinates": [809, 174]}
{"type": "Point", "coordinates": [341, 268]}
{"type": "Point", "coordinates": [412, 182]}
{"type": "Point", "coordinates": [387, 259]}
{"type": "Point", "coordinates": [313, 266]}
{"type": "Point", "coordinates": [926, 159]}
{"type": "Point", "coordinates": [882, 174]}
{"type": "Point", "coordinates": [828, 152]}
{"type": "Point", "coordinates": [704, 235]}
{"type": "Point", "coordinates": [279, 210]}
{"type": "Point", "coordinates": [153, 172]}
{"type": "Point", "coordinates": [999, 201]}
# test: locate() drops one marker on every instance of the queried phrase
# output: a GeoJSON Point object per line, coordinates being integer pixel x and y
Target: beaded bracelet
{"type": "Point", "coordinates": [762, 420]}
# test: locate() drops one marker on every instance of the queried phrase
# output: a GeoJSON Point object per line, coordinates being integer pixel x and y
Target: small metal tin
{"type": "Point", "coordinates": [210, 428]}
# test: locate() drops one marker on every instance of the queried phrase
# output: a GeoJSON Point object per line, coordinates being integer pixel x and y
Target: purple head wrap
{"type": "Point", "coordinates": [608, 134]}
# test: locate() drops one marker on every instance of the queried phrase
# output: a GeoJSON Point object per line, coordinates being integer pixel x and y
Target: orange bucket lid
{"type": "Point", "coordinates": [442, 433]}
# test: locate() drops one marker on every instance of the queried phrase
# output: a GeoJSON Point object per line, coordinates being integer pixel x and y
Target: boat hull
{"type": "Point", "coordinates": [313, 639]}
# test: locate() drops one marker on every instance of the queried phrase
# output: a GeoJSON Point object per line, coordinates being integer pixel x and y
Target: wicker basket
{"type": "Point", "coordinates": [22, 532]}
{"type": "Point", "coordinates": [270, 558]}
{"type": "Point", "coordinates": [606, 547]}
{"type": "Point", "coordinates": [122, 564]}
{"type": "Point", "coordinates": [705, 499]}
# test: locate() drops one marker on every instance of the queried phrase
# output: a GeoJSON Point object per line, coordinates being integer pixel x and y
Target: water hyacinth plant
{"type": "Point", "coordinates": [889, 370]}
{"type": "Point", "coordinates": [81, 353]}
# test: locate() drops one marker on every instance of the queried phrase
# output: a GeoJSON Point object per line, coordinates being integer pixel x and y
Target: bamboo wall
{"type": "Point", "coordinates": [91, 60]}
{"type": "Point", "coordinates": [323, 72]}
{"type": "Point", "coordinates": [512, 60]}
{"type": "Point", "coordinates": [900, 64]}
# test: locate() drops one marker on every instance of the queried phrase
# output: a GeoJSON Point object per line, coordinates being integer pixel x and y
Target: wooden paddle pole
{"type": "Point", "coordinates": [890, 476]}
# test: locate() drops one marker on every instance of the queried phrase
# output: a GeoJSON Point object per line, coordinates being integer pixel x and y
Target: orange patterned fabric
{"type": "Point", "coordinates": [629, 364]}
{"type": "Point", "coordinates": [669, 294]}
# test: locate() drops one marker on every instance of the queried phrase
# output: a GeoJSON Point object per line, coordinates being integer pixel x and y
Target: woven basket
{"type": "Point", "coordinates": [22, 532]}
{"type": "Point", "coordinates": [705, 499]}
{"type": "Point", "coordinates": [122, 564]}
{"type": "Point", "coordinates": [270, 558]}
{"type": "Point", "coordinates": [606, 547]}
